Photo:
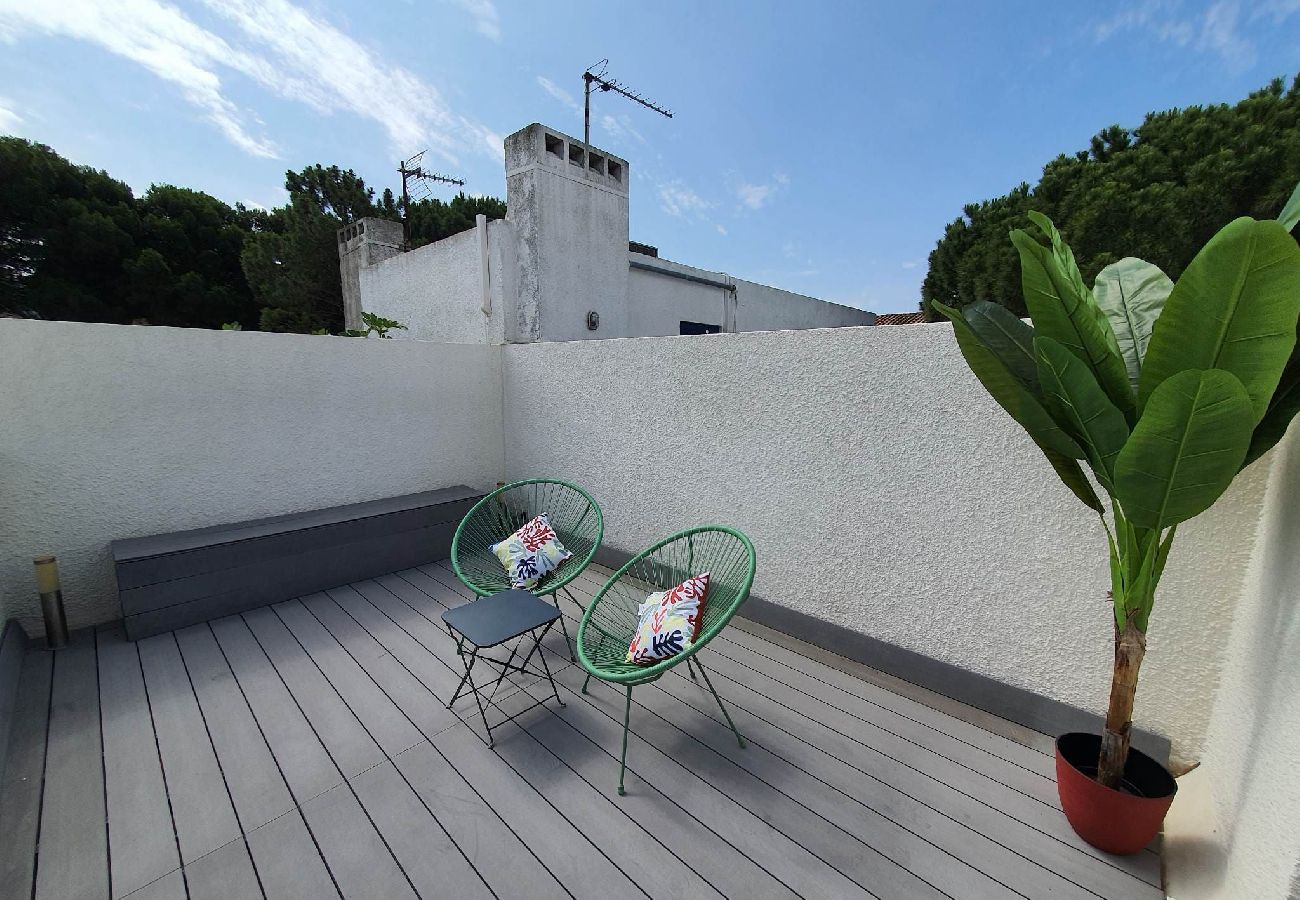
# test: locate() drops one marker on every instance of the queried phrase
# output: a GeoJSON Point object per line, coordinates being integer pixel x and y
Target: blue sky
{"type": "Point", "coordinates": [820, 147]}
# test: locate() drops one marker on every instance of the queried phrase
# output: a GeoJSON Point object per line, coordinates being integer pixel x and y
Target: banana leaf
{"type": "Point", "coordinates": [1186, 448]}
{"type": "Point", "coordinates": [1060, 449]}
{"type": "Point", "coordinates": [1290, 215]}
{"type": "Point", "coordinates": [1010, 339]}
{"type": "Point", "coordinates": [1074, 398]}
{"type": "Point", "coordinates": [1131, 293]}
{"type": "Point", "coordinates": [1235, 309]}
{"type": "Point", "coordinates": [1062, 308]}
{"type": "Point", "coordinates": [1282, 408]}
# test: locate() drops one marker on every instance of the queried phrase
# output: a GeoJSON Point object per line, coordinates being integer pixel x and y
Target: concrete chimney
{"type": "Point", "coordinates": [568, 203]}
{"type": "Point", "coordinates": [363, 243]}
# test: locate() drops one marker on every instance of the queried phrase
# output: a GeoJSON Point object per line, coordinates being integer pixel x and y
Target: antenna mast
{"type": "Point", "coordinates": [596, 75]}
{"type": "Point", "coordinates": [420, 181]}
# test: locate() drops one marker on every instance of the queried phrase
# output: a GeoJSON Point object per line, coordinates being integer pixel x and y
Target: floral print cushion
{"type": "Point", "coordinates": [531, 552]}
{"type": "Point", "coordinates": [669, 622]}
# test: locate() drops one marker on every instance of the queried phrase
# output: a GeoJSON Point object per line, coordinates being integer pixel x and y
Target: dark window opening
{"type": "Point", "coordinates": [699, 328]}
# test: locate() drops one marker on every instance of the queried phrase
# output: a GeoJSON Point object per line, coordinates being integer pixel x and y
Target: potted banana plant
{"type": "Point", "coordinates": [1165, 392]}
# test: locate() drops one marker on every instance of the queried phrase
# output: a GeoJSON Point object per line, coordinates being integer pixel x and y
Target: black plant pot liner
{"type": "Point", "coordinates": [1143, 776]}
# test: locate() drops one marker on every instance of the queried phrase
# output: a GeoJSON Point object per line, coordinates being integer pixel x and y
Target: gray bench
{"type": "Point", "coordinates": [168, 581]}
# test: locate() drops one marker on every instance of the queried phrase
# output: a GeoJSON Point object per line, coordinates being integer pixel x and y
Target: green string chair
{"type": "Point", "coordinates": [573, 514]}
{"type": "Point", "coordinates": [611, 620]}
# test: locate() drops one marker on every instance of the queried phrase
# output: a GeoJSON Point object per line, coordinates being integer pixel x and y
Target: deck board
{"type": "Point", "coordinates": [72, 858]}
{"type": "Point", "coordinates": [258, 789]}
{"type": "Point", "coordinates": [134, 785]}
{"type": "Point", "coordinates": [201, 808]}
{"type": "Point", "coordinates": [305, 750]}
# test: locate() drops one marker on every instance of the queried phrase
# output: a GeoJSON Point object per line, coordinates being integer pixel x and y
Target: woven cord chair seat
{"type": "Point", "coordinates": [573, 514]}
{"type": "Point", "coordinates": [575, 517]}
{"type": "Point", "coordinates": [611, 618]}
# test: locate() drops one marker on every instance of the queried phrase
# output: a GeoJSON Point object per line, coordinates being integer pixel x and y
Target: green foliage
{"type": "Point", "coordinates": [1233, 309]}
{"type": "Point", "coordinates": [1199, 167]}
{"type": "Point", "coordinates": [1074, 398]}
{"type": "Point", "coordinates": [1063, 309]}
{"type": "Point", "coordinates": [376, 325]}
{"type": "Point", "coordinates": [1219, 379]}
{"type": "Point", "coordinates": [1186, 448]}
{"type": "Point", "coordinates": [432, 220]}
{"type": "Point", "coordinates": [76, 244]}
{"type": "Point", "coordinates": [1131, 293]}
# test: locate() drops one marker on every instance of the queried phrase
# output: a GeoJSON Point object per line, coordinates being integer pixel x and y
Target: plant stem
{"type": "Point", "coordinates": [1130, 647]}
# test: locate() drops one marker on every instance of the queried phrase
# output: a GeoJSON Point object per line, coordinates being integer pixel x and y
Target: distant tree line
{"type": "Point", "coordinates": [1158, 192]}
{"type": "Point", "coordinates": [76, 244]}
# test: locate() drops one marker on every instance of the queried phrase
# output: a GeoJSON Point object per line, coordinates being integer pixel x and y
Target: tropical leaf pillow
{"type": "Point", "coordinates": [531, 552]}
{"type": "Point", "coordinates": [669, 622]}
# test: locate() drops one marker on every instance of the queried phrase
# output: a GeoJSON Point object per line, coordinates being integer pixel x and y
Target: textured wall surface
{"type": "Point", "coordinates": [885, 492]}
{"type": "Point", "coordinates": [115, 431]}
{"type": "Point", "coordinates": [1232, 830]}
{"type": "Point", "coordinates": [436, 291]}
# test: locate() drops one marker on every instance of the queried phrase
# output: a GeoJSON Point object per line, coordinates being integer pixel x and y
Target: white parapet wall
{"type": "Point", "coordinates": [437, 291]}
{"type": "Point", "coordinates": [885, 493]}
{"type": "Point", "coordinates": [116, 431]}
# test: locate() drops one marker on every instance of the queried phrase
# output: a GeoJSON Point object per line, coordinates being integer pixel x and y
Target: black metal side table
{"type": "Point", "coordinates": [490, 622]}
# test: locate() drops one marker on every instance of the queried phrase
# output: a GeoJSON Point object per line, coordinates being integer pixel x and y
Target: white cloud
{"type": "Point", "coordinates": [676, 199]}
{"type": "Point", "coordinates": [277, 45]}
{"type": "Point", "coordinates": [911, 264]}
{"type": "Point", "coordinates": [157, 37]}
{"type": "Point", "coordinates": [1214, 29]}
{"type": "Point", "coordinates": [620, 128]}
{"type": "Point", "coordinates": [559, 93]}
{"type": "Point", "coordinates": [486, 18]}
{"type": "Point", "coordinates": [756, 196]}
{"type": "Point", "coordinates": [722, 231]}
{"type": "Point", "coordinates": [1219, 34]}
{"type": "Point", "coordinates": [8, 118]}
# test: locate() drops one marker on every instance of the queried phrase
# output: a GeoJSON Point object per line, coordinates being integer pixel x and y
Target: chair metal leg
{"type": "Point", "coordinates": [542, 656]}
{"type": "Point", "coordinates": [622, 761]}
{"type": "Point", "coordinates": [690, 667]}
{"type": "Point", "coordinates": [586, 681]}
{"type": "Point", "coordinates": [555, 598]}
{"type": "Point", "coordinates": [734, 730]}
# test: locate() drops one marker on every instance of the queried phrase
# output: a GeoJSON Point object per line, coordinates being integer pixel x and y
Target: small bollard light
{"type": "Point", "coordinates": [47, 583]}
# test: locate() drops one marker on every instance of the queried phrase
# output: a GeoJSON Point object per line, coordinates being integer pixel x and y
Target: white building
{"type": "Point", "coordinates": [558, 267]}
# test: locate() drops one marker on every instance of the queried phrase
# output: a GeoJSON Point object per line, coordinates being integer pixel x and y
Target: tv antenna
{"type": "Point", "coordinates": [597, 76]}
{"type": "Point", "coordinates": [421, 184]}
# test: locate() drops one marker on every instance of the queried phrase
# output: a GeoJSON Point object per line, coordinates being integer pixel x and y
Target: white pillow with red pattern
{"type": "Point", "coordinates": [531, 553]}
{"type": "Point", "coordinates": [669, 622]}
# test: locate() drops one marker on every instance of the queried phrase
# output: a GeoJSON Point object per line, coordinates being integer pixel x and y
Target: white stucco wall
{"type": "Point", "coordinates": [885, 492]}
{"type": "Point", "coordinates": [436, 290]}
{"type": "Point", "coordinates": [1232, 832]}
{"type": "Point", "coordinates": [114, 431]}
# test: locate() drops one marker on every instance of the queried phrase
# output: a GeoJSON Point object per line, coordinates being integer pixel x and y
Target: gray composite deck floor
{"type": "Point", "coordinates": [304, 750]}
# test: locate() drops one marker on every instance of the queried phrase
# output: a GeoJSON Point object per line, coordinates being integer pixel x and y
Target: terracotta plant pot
{"type": "Point", "coordinates": [1116, 821]}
